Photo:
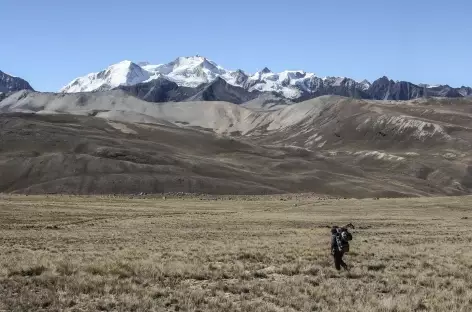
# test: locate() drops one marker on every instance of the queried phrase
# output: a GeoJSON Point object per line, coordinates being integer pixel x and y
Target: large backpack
{"type": "Point", "coordinates": [343, 240]}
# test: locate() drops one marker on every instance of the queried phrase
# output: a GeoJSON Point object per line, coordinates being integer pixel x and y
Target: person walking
{"type": "Point", "coordinates": [339, 245]}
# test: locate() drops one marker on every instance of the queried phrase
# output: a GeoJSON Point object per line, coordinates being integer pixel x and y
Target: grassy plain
{"type": "Point", "coordinates": [66, 253]}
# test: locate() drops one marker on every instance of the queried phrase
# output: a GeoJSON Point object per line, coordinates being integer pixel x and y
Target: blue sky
{"type": "Point", "coordinates": [51, 42]}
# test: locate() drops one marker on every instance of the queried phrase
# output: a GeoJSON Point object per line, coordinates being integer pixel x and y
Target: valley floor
{"type": "Point", "coordinates": [66, 253]}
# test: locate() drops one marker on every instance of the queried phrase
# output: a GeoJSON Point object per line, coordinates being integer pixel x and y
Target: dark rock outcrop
{"type": "Point", "coordinates": [316, 87]}
{"type": "Point", "coordinates": [465, 91]}
{"type": "Point", "coordinates": [220, 90]}
{"type": "Point", "coordinates": [11, 84]}
{"type": "Point", "coordinates": [164, 90]}
{"type": "Point", "coordinates": [160, 90]}
{"type": "Point", "coordinates": [387, 89]}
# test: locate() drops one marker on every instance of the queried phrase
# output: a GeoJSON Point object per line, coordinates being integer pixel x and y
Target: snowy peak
{"type": "Point", "coordinates": [123, 73]}
{"type": "Point", "coordinates": [189, 71]}
{"type": "Point", "coordinates": [194, 61]}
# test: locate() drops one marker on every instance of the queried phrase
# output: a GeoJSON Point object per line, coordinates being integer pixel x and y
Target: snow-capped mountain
{"type": "Point", "coordinates": [123, 73]}
{"type": "Point", "coordinates": [10, 83]}
{"type": "Point", "coordinates": [296, 85]}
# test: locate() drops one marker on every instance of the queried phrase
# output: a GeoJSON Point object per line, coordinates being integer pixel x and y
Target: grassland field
{"type": "Point", "coordinates": [99, 253]}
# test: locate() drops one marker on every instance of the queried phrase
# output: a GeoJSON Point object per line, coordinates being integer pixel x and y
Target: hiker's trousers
{"type": "Point", "coordinates": [338, 260]}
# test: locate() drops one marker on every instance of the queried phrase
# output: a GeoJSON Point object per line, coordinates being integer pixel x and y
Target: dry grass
{"type": "Point", "coordinates": [119, 254]}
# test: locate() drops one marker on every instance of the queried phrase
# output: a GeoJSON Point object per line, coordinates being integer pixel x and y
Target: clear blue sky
{"type": "Point", "coordinates": [50, 42]}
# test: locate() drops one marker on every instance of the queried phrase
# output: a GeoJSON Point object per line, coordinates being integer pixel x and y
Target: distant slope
{"type": "Point", "coordinates": [434, 121]}
{"type": "Point", "coordinates": [221, 117]}
{"type": "Point", "coordinates": [267, 101]}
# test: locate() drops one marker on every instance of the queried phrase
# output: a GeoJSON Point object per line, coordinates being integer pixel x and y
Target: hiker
{"type": "Point", "coordinates": [340, 238]}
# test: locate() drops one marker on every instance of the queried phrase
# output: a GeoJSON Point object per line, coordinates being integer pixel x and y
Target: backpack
{"type": "Point", "coordinates": [343, 240]}
{"type": "Point", "coordinates": [346, 235]}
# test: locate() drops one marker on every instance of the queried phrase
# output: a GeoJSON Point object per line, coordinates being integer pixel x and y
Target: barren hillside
{"type": "Point", "coordinates": [328, 145]}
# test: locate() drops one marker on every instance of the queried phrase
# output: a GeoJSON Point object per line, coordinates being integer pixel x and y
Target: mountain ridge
{"type": "Point", "coordinates": [295, 85]}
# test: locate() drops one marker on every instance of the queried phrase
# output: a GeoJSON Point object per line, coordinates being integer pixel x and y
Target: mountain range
{"type": "Point", "coordinates": [198, 78]}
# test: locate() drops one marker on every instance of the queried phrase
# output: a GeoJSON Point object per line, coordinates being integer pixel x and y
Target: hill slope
{"type": "Point", "coordinates": [77, 154]}
{"type": "Point", "coordinates": [330, 145]}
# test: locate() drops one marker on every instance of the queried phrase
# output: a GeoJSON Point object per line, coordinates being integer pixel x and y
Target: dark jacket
{"type": "Point", "coordinates": [334, 243]}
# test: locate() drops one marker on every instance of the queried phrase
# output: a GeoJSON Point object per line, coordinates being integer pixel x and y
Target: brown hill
{"type": "Point", "coordinates": [329, 145]}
